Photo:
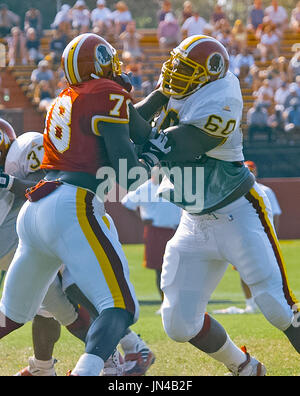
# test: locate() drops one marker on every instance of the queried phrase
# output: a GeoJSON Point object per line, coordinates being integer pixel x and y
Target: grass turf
{"type": "Point", "coordinates": [173, 359]}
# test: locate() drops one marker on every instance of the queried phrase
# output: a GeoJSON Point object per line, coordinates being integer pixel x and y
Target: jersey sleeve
{"type": "Point", "coordinates": [131, 201]}
{"type": "Point", "coordinates": [274, 202]}
{"type": "Point", "coordinates": [113, 108]}
{"type": "Point", "coordinates": [215, 119]}
{"type": "Point", "coordinates": [137, 198]}
{"type": "Point", "coordinates": [216, 108]}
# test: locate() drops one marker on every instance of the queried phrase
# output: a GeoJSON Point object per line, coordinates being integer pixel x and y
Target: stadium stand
{"type": "Point", "coordinates": [18, 79]}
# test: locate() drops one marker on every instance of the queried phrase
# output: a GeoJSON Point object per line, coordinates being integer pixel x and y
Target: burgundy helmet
{"type": "Point", "coordinates": [7, 136]}
{"type": "Point", "coordinates": [196, 61]}
{"type": "Point", "coordinates": [89, 56]}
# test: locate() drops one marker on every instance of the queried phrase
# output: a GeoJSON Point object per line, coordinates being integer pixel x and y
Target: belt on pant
{"type": "Point", "coordinates": [79, 179]}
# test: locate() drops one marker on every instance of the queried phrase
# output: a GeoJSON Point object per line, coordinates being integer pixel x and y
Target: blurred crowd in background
{"type": "Point", "coordinates": [272, 78]}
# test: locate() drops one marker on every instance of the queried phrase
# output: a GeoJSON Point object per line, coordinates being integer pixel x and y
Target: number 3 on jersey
{"type": "Point", "coordinates": [58, 122]}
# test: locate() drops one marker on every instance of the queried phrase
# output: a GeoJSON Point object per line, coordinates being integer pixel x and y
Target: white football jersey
{"type": "Point", "coordinates": [276, 210]}
{"type": "Point", "coordinates": [216, 109]}
{"type": "Point", "coordinates": [25, 156]}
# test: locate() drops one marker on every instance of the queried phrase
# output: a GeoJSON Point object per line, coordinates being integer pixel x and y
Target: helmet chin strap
{"type": "Point", "coordinates": [95, 76]}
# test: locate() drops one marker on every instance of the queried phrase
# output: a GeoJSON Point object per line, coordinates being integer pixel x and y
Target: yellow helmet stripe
{"type": "Point", "coordinates": [192, 40]}
{"type": "Point", "coordinates": [69, 61]}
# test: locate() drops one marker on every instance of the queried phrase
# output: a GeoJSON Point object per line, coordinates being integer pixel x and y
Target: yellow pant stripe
{"type": "Point", "coordinates": [98, 249]}
{"type": "Point", "coordinates": [269, 228]}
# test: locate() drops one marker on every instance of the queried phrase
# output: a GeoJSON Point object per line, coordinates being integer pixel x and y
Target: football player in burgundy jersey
{"type": "Point", "coordinates": [90, 124]}
{"type": "Point", "coordinates": [21, 159]}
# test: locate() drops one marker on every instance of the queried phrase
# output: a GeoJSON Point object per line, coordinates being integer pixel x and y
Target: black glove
{"type": "Point", "coordinates": [156, 147]}
{"type": "Point", "coordinates": [125, 81]}
{"type": "Point", "coordinates": [6, 181]}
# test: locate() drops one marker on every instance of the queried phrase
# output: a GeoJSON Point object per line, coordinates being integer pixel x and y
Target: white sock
{"type": "Point", "coordinates": [129, 342]}
{"type": "Point", "coordinates": [43, 364]}
{"type": "Point", "coordinates": [88, 365]}
{"type": "Point", "coordinates": [229, 354]}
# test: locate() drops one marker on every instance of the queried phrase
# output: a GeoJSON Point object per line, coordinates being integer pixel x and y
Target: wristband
{"type": "Point", "coordinates": [10, 183]}
{"type": "Point", "coordinates": [6, 181]}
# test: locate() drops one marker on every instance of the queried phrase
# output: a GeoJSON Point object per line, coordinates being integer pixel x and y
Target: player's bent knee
{"type": "Point", "coordinates": [278, 313]}
{"type": "Point", "coordinates": [272, 300]}
{"type": "Point", "coordinates": [178, 328]}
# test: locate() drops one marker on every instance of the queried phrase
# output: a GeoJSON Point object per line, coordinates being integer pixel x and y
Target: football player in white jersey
{"type": "Point", "coordinates": [229, 218]}
{"type": "Point", "coordinates": [20, 160]}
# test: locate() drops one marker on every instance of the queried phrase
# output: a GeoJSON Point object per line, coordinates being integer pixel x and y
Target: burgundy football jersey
{"type": "Point", "coordinates": [72, 140]}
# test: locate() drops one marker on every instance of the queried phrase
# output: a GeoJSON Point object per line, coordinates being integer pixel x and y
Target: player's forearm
{"type": "Point", "coordinates": [121, 153]}
{"type": "Point", "coordinates": [189, 142]}
{"type": "Point", "coordinates": [151, 104]}
{"type": "Point", "coordinates": [139, 128]}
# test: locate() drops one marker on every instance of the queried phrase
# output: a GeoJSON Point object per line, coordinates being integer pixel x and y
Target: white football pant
{"type": "Point", "coordinates": [197, 257]}
{"type": "Point", "coordinates": [68, 226]}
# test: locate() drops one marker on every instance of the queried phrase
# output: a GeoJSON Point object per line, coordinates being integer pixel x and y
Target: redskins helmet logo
{"type": "Point", "coordinates": [102, 55]}
{"type": "Point", "coordinates": [103, 58]}
{"type": "Point", "coordinates": [215, 63]}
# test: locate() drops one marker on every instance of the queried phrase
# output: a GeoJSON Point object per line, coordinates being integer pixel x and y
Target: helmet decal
{"type": "Point", "coordinates": [102, 55]}
{"type": "Point", "coordinates": [89, 56]}
{"type": "Point", "coordinates": [215, 63]}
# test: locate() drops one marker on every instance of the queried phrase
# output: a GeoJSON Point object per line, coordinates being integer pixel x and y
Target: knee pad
{"type": "Point", "coordinates": [279, 314]}
{"type": "Point", "coordinates": [270, 298]}
{"type": "Point", "coordinates": [178, 327]}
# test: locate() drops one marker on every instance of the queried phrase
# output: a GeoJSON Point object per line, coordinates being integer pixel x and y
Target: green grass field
{"type": "Point", "coordinates": [262, 340]}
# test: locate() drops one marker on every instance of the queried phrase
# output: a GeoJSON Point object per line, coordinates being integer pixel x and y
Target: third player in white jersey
{"type": "Point", "coordinates": [22, 159]}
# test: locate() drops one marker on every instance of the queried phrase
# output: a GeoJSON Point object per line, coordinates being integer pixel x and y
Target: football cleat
{"type": "Point", "coordinates": [114, 366]}
{"type": "Point", "coordinates": [250, 368]}
{"type": "Point", "coordinates": [137, 363]}
{"type": "Point", "coordinates": [33, 371]}
{"type": "Point", "coordinates": [70, 374]}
